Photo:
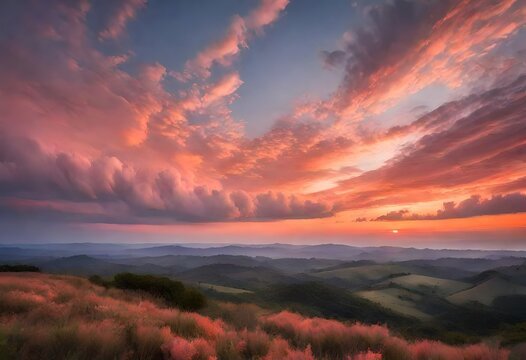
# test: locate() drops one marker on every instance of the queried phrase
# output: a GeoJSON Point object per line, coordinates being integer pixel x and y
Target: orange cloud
{"type": "Point", "coordinates": [410, 45]}
{"type": "Point", "coordinates": [226, 86]}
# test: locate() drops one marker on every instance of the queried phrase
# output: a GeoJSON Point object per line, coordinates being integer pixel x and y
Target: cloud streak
{"type": "Point", "coordinates": [473, 206]}
{"type": "Point", "coordinates": [236, 38]}
{"type": "Point", "coordinates": [408, 45]}
{"type": "Point", "coordinates": [483, 148]}
{"type": "Point", "coordinates": [125, 11]}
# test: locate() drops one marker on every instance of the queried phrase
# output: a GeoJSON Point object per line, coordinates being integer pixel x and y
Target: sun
{"type": "Point", "coordinates": [394, 231]}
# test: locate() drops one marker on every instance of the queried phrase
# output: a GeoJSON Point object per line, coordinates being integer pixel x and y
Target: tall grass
{"type": "Point", "coordinates": [60, 317]}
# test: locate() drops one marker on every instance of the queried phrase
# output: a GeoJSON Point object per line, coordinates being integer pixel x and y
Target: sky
{"type": "Point", "coordinates": [396, 122]}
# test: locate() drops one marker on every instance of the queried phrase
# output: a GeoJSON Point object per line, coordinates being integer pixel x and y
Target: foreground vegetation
{"type": "Point", "coordinates": [173, 292]}
{"type": "Point", "coordinates": [62, 317]}
{"type": "Point", "coordinates": [19, 268]}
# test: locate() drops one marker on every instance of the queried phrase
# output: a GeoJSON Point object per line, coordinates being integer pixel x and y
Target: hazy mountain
{"type": "Point", "coordinates": [85, 265]}
{"type": "Point", "coordinates": [323, 251]}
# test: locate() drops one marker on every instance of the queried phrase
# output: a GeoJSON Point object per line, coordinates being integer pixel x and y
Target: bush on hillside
{"type": "Point", "coordinates": [171, 291]}
{"type": "Point", "coordinates": [98, 280]}
{"type": "Point", "coordinates": [19, 268]}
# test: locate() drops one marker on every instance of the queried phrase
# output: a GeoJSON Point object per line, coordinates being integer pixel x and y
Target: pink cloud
{"type": "Point", "coordinates": [457, 156]}
{"type": "Point", "coordinates": [125, 11]}
{"type": "Point", "coordinates": [236, 37]}
{"type": "Point", "coordinates": [159, 196]}
{"type": "Point", "coordinates": [82, 135]}
{"type": "Point", "coordinates": [226, 86]}
{"type": "Point", "coordinates": [265, 14]}
{"type": "Point", "coordinates": [409, 45]}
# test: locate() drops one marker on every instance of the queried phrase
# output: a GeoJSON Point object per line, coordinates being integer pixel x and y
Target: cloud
{"type": "Point", "coordinates": [72, 87]}
{"type": "Point", "coordinates": [125, 10]}
{"type": "Point", "coordinates": [473, 206]}
{"type": "Point", "coordinates": [277, 205]}
{"type": "Point", "coordinates": [86, 137]}
{"type": "Point", "coordinates": [393, 216]}
{"type": "Point", "coordinates": [226, 86]}
{"type": "Point", "coordinates": [483, 148]}
{"type": "Point", "coordinates": [291, 154]}
{"type": "Point", "coordinates": [334, 58]}
{"type": "Point", "coordinates": [99, 186]}
{"type": "Point", "coordinates": [265, 14]}
{"type": "Point", "coordinates": [408, 45]}
{"type": "Point", "coordinates": [236, 37]}
{"type": "Point", "coordinates": [360, 219]}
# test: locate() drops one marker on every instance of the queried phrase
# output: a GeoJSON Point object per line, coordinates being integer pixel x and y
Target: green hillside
{"type": "Point", "coordinates": [486, 292]}
{"type": "Point", "coordinates": [431, 284]}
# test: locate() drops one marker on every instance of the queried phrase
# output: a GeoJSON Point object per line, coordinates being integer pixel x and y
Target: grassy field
{"type": "Point", "coordinates": [487, 291]}
{"type": "Point", "coordinates": [65, 317]}
{"type": "Point", "coordinates": [398, 300]}
{"type": "Point", "coordinates": [224, 289]}
{"type": "Point", "coordinates": [364, 274]}
{"type": "Point", "coordinates": [424, 283]}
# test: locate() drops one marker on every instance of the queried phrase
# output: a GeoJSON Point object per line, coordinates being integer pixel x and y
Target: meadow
{"type": "Point", "coordinates": [44, 316]}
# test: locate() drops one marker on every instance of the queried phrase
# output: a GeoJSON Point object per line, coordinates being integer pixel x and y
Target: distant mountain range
{"type": "Point", "coordinates": [470, 292]}
{"type": "Point", "coordinates": [275, 251]}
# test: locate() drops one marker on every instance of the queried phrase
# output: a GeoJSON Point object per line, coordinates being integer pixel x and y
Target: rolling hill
{"type": "Point", "coordinates": [363, 275]}
{"type": "Point", "coordinates": [399, 300]}
{"type": "Point", "coordinates": [487, 291]}
{"type": "Point", "coordinates": [422, 283]}
{"type": "Point", "coordinates": [366, 275]}
{"type": "Point", "coordinates": [317, 299]}
{"type": "Point", "coordinates": [236, 276]}
{"type": "Point", "coordinates": [516, 273]}
{"type": "Point", "coordinates": [470, 264]}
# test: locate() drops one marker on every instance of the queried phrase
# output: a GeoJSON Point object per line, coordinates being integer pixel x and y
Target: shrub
{"type": "Point", "coordinates": [279, 349]}
{"type": "Point", "coordinates": [19, 268]}
{"type": "Point", "coordinates": [396, 349]}
{"type": "Point", "coordinates": [197, 349]}
{"type": "Point", "coordinates": [241, 316]}
{"type": "Point", "coordinates": [228, 347]}
{"type": "Point", "coordinates": [193, 300]}
{"type": "Point", "coordinates": [173, 292]}
{"type": "Point", "coordinates": [98, 280]}
{"type": "Point", "coordinates": [369, 355]}
{"type": "Point", "coordinates": [145, 341]}
{"type": "Point", "coordinates": [254, 344]}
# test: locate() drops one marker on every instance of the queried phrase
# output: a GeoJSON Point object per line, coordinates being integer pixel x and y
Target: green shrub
{"type": "Point", "coordinates": [171, 291]}
{"type": "Point", "coordinates": [193, 300]}
{"type": "Point", "coordinates": [19, 268]}
{"type": "Point", "coordinates": [98, 280]}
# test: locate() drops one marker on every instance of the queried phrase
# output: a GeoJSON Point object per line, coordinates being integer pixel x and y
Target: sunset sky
{"type": "Point", "coordinates": [256, 121]}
